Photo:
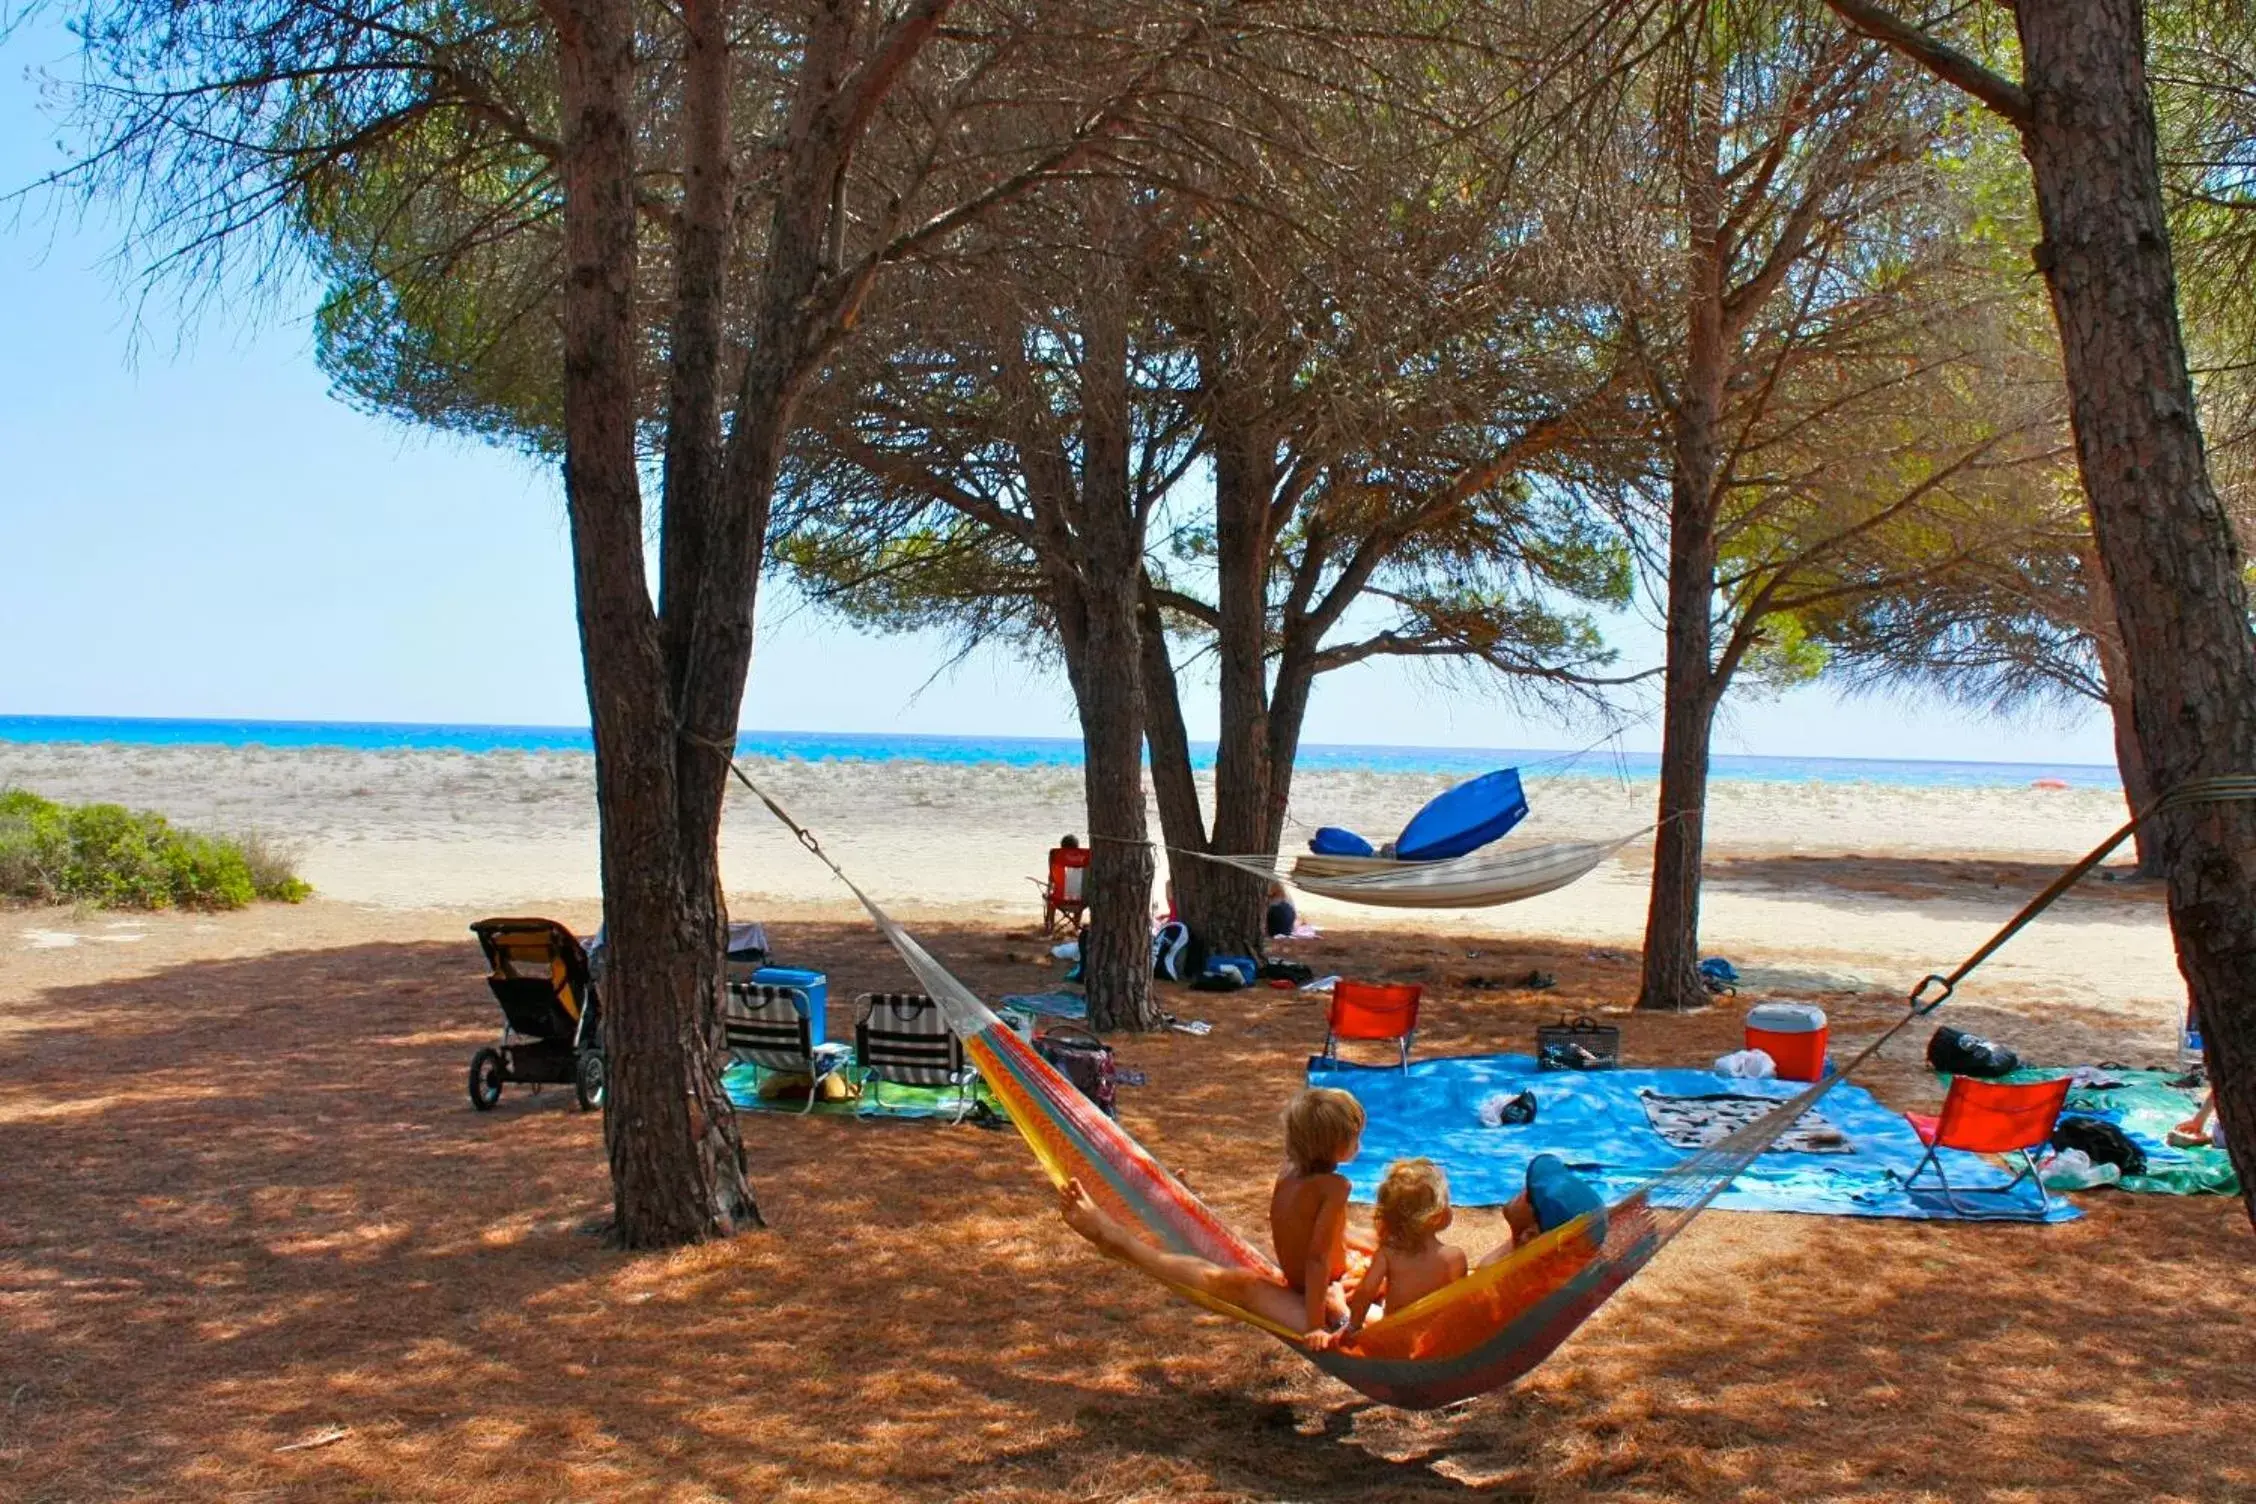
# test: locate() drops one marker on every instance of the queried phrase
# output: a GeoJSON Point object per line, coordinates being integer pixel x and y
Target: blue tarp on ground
{"type": "Point", "coordinates": [1596, 1122]}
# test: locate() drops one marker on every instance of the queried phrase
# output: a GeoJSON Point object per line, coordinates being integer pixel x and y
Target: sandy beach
{"type": "Point", "coordinates": [1829, 886]}
{"type": "Point", "coordinates": [254, 1244]}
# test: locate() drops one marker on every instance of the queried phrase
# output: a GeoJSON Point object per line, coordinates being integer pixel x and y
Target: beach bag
{"type": "Point", "coordinates": [2101, 1142]}
{"type": "Point", "coordinates": [1956, 1053]}
{"type": "Point", "coordinates": [1332, 840]}
{"type": "Point", "coordinates": [1083, 1059]}
{"type": "Point", "coordinates": [1288, 971]}
{"type": "Point", "coordinates": [1577, 1044]}
{"type": "Point", "coordinates": [1177, 955]}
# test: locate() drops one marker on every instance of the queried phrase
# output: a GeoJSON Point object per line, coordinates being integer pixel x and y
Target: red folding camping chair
{"type": "Point", "coordinates": [1373, 1010]}
{"type": "Point", "coordinates": [1063, 895]}
{"type": "Point", "coordinates": [1990, 1117]}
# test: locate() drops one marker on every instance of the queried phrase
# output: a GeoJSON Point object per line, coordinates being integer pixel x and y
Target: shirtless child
{"type": "Point", "coordinates": [1307, 1226]}
{"type": "Point", "coordinates": [1411, 1262]}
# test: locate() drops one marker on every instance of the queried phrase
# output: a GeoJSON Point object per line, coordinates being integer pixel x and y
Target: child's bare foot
{"type": "Point", "coordinates": [1081, 1213]}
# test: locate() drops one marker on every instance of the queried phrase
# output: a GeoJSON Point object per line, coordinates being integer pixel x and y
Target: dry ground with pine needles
{"type": "Point", "coordinates": [254, 1244]}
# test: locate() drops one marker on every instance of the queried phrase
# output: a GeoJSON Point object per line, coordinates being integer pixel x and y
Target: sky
{"type": "Point", "coordinates": [193, 526]}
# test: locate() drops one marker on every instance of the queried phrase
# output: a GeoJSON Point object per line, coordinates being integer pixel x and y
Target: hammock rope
{"type": "Point", "coordinates": [1469, 1337]}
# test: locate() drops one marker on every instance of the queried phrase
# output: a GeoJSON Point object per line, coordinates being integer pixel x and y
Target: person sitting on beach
{"type": "Point", "coordinates": [2202, 1128]}
{"type": "Point", "coordinates": [1411, 1262]}
{"type": "Point", "coordinates": [1282, 918]}
{"type": "Point", "coordinates": [1307, 1225]}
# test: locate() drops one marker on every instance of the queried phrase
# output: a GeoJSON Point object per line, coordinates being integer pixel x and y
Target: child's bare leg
{"type": "Point", "coordinates": [1237, 1287]}
{"type": "Point", "coordinates": [1519, 1226]}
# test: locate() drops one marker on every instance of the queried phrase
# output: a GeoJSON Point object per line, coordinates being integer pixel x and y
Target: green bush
{"type": "Point", "coordinates": [112, 857]}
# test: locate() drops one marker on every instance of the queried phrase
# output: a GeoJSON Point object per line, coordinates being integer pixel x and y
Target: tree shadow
{"type": "Point", "coordinates": [1936, 887]}
{"type": "Point", "coordinates": [246, 1202]}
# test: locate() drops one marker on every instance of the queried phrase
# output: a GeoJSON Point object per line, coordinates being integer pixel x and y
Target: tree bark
{"type": "Point", "coordinates": [1691, 685]}
{"type": "Point", "coordinates": [2115, 678]}
{"type": "Point", "coordinates": [677, 1170]}
{"type": "Point", "coordinates": [2171, 560]}
{"type": "Point", "coordinates": [1235, 903]}
{"type": "Point", "coordinates": [1671, 972]}
{"type": "Point", "coordinates": [1108, 684]}
{"type": "Point", "coordinates": [1182, 819]}
{"type": "Point", "coordinates": [1088, 534]}
{"type": "Point", "coordinates": [1288, 713]}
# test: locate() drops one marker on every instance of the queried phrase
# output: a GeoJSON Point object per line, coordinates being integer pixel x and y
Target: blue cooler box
{"type": "Point", "coordinates": [814, 991]}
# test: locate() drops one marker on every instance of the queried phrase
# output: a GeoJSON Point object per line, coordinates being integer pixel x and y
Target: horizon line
{"type": "Point", "coordinates": [968, 738]}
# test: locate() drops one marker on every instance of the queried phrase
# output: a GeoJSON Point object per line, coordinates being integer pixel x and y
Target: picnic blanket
{"type": "Point", "coordinates": [1066, 1005]}
{"type": "Point", "coordinates": [909, 1102]}
{"type": "Point", "coordinates": [1689, 1123]}
{"type": "Point", "coordinates": [1597, 1122]}
{"type": "Point", "coordinates": [2146, 1107]}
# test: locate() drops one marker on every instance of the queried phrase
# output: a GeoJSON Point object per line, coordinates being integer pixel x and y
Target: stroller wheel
{"type": "Point", "coordinates": [485, 1079]}
{"type": "Point", "coordinates": [587, 1080]}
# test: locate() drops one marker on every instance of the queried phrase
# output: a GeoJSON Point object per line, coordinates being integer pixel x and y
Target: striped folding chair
{"type": "Point", "coordinates": [903, 1038]}
{"type": "Point", "coordinates": [766, 1027]}
{"type": "Point", "coordinates": [1990, 1117]}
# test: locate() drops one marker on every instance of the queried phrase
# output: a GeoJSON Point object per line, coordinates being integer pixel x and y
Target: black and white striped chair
{"type": "Point", "coordinates": [766, 1026]}
{"type": "Point", "coordinates": [903, 1038]}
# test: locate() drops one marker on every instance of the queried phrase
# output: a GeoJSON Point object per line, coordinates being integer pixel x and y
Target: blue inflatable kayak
{"type": "Point", "coordinates": [1464, 819]}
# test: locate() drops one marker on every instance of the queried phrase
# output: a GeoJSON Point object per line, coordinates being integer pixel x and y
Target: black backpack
{"type": "Point", "coordinates": [1960, 1054]}
{"type": "Point", "coordinates": [2102, 1142]}
{"type": "Point", "coordinates": [1177, 954]}
{"type": "Point", "coordinates": [1083, 1059]}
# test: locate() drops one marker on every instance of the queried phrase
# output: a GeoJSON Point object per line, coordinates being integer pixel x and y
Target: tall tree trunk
{"type": "Point", "coordinates": [1108, 681]}
{"type": "Point", "coordinates": [1288, 713]}
{"type": "Point", "coordinates": [1671, 975]}
{"type": "Point", "coordinates": [1182, 820]}
{"type": "Point", "coordinates": [2170, 555]}
{"type": "Point", "coordinates": [1235, 903]}
{"type": "Point", "coordinates": [677, 1172]}
{"type": "Point", "coordinates": [2115, 677]}
{"type": "Point", "coordinates": [1116, 946]}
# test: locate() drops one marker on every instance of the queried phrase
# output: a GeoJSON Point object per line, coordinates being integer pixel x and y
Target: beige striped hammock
{"type": "Point", "coordinates": [1476, 880]}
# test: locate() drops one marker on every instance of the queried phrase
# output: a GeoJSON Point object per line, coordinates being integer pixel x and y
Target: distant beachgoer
{"type": "Point", "coordinates": [1069, 842]}
{"type": "Point", "coordinates": [1283, 918]}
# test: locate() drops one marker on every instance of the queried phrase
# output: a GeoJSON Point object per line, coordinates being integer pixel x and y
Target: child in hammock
{"type": "Point", "coordinates": [1413, 1207]}
{"type": "Point", "coordinates": [1411, 1262]}
{"type": "Point", "coordinates": [1307, 1227]}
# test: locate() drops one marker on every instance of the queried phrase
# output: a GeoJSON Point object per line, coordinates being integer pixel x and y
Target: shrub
{"type": "Point", "coordinates": [34, 847]}
{"type": "Point", "coordinates": [274, 868]}
{"type": "Point", "coordinates": [112, 857]}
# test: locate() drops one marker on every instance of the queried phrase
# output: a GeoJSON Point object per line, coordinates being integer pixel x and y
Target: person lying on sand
{"type": "Point", "coordinates": [1307, 1226]}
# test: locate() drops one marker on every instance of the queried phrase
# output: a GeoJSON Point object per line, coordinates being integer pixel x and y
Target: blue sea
{"type": "Point", "coordinates": [1032, 751]}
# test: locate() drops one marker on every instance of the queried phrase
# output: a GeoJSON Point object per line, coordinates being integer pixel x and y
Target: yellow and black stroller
{"type": "Point", "coordinates": [552, 1025]}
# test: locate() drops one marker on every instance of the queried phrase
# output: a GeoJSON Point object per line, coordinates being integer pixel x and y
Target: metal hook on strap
{"type": "Point", "coordinates": [1921, 1003]}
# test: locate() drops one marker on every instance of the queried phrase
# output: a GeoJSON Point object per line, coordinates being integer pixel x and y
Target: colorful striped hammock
{"type": "Point", "coordinates": [1466, 1339]}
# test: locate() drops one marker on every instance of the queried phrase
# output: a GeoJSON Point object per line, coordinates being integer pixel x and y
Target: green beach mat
{"type": "Point", "coordinates": [741, 1082]}
{"type": "Point", "coordinates": [2146, 1107]}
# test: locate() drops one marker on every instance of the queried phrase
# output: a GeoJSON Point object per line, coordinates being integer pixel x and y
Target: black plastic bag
{"type": "Point", "coordinates": [1956, 1053]}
